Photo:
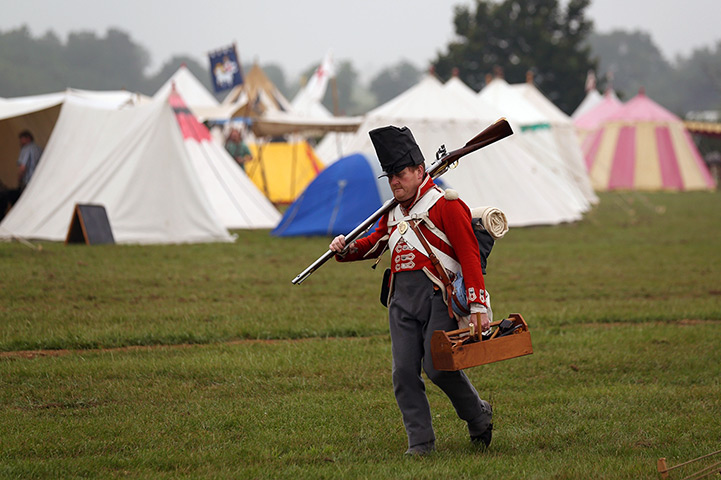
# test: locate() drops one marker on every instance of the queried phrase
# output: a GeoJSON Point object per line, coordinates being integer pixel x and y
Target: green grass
{"type": "Point", "coordinates": [598, 399]}
{"type": "Point", "coordinates": [624, 309]}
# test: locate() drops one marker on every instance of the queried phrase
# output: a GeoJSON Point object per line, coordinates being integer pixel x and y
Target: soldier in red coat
{"type": "Point", "coordinates": [417, 300]}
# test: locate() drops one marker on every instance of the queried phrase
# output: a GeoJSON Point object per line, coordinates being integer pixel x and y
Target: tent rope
{"type": "Point", "coordinates": [704, 472]}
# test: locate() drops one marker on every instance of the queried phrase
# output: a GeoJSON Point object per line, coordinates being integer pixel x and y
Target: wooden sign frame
{"type": "Point", "coordinates": [89, 225]}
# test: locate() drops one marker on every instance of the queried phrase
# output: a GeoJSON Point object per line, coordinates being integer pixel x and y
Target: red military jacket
{"type": "Point", "coordinates": [450, 216]}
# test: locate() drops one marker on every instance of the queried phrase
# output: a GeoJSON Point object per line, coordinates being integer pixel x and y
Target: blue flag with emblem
{"type": "Point", "coordinates": [225, 70]}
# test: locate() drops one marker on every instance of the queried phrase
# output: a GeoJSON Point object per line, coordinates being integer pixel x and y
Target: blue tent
{"type": "Point", "coordinates": [341, 197]}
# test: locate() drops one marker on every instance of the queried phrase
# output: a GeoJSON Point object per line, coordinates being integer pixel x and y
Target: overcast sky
{"type": "Point", "coordinates": [295, 34]}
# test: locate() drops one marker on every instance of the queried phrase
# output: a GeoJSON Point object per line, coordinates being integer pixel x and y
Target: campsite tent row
{"type": "Point", "coordinates": [283, 162]}
{"type": "Point", "coordinates": [153, 167]}
{"type": "Point", "coordinates": [283, 170]}
{"type": "Point", "coordinates": [234, 200]}
{"type": "Point", "coordinates": [505, 175]}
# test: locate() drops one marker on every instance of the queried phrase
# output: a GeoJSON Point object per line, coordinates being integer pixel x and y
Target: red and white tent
{"type": "Point", "coordinates": [234, 197]}
{"type": "Point", "coordinates": [643, 146]}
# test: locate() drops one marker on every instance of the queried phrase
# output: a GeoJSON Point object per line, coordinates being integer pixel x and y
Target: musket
{"type": "Point", "coordinates": [497, 131]}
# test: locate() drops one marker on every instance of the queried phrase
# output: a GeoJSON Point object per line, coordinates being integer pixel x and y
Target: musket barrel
{"type": "Point", "coordinates": [313, 267]}
{"type": "Point", "coordinates": [352, 235]}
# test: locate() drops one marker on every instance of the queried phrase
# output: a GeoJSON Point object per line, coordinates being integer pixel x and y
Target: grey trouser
{"type": "Point", "coordinates": [415, 311]}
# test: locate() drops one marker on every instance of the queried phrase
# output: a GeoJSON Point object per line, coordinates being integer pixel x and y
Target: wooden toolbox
{"type": "Point", "coordinates": [455, 350]}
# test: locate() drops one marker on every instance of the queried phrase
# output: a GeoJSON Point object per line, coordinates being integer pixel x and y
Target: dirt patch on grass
{"type": "Point", "coordinates": [683, 321]}
{"type": "Point", "coordinates": [33, 354]}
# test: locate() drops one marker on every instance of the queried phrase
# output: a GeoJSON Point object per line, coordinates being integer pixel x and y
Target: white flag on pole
{"type": "Point", "coordinates": [309, 98]}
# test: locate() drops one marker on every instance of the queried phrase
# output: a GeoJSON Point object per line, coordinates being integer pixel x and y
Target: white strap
{"type": "Point", "coordinates": [410, 237]}
{"type": "Point", "coordinates": [422, 205]}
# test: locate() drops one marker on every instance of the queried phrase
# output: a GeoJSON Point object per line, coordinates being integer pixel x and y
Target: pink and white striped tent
{"type": "Point", "coordinates": [643, 146]}
{"type": "Point", "coordinates": [588, 122]}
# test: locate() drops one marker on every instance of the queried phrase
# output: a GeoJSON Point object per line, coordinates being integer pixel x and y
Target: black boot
{"type": "Point", "coordinates": [484, 439]}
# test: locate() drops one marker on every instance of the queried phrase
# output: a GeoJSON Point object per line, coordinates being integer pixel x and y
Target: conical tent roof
{"type": "Point", "coordinates": [550, 112]}
{"type": "Point", "coordinates": [591, 99]}
{"type": "Point", "coordinates": [592, 118]}
{"type": "Point", "coordinates": [520, 111]}
{"type": "Point", "coordinates": [337, 200]}
{"type": "Point", "coordinates": [456, 85]}
{"type": "Point", "coordinates": [189, 87]}
{"type": "Point", "coordinates": [197, 98]}
{"type": "Point", "coordinates": [535, 133]}
{"type": "Point", "coordinates": [236, 200]}
{"type": "Point", "coordinates": [501, 175]}
{"type": "Point", "coordinates": [256, 96]}
{"type": "Point", "coordinates": [643, 146]}
{"type": "Point", "coordinates": [131, 161]}
{"type": "Point", "coordinates": [564, 133]}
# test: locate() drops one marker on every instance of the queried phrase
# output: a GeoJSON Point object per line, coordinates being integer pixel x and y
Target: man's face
{"type": "Point", "coordinates": [405, 183]}
{"type": "Point", "coordinates": [24, 141]}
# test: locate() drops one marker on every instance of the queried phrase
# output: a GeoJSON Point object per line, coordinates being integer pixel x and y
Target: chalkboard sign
{"type": "Point", "coordinates": [89, 225]}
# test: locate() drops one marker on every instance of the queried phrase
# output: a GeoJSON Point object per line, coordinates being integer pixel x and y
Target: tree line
{"type": "Point", "coordinates": [558, 45]}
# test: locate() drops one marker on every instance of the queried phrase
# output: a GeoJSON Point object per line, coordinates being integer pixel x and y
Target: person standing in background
{"type": "Point", "coordinates": [28, 159]}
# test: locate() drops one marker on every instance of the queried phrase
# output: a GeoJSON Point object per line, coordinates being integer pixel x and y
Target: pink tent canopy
{"type": "Point", "coordinates": [643, 146]}
{"type": "Point", "coordinates": [589, 122]}
{"type": "Point", "coordinates": [594, 117]}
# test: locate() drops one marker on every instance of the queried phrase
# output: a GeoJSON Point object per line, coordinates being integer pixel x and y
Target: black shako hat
{"type": "Point", "coordinates": [396, 148]}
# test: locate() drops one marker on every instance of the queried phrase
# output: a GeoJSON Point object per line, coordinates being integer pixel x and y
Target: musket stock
{"type": "Point", "coordinates": [497, 131]}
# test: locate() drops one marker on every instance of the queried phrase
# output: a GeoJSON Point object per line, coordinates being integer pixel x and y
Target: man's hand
{"type": "Point", "coordinates": [338, 244]}
{"type": "Point", "coordinates": [481, 322]}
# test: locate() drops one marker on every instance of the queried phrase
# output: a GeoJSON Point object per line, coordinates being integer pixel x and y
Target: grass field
{"type": "Point", "coordinates": [203, 361]}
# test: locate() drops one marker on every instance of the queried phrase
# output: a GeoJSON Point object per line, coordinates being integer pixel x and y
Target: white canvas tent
{"type": "Point", "coordinates": [564, 132]}
{"type": "Point", "coordinates": [131, 161]}
{"type": "Point", "coordinates": [234, 197]}
{"type": "Point", "coordinates": [501, 175]}
{"type": "Point", "coordinates": [534, 132]}
{"type": "Point", "coordinates": [591, 99]}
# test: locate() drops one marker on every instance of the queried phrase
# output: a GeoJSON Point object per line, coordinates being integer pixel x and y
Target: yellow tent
{"type": "Point", "coordinates": [282, 170]}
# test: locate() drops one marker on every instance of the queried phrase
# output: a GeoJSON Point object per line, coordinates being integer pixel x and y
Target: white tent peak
{"type": "Point", "coordinates": [189, 87]}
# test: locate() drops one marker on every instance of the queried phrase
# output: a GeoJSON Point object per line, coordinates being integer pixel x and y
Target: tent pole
{"type": "Point", "coordinates": [334, 91]}
{"type": "Point", "coordinates": [293, 167]}
{"type": "Point", "coordinates": [262, 172]}
{"type": "Point", "coordinates": [338, 144]}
